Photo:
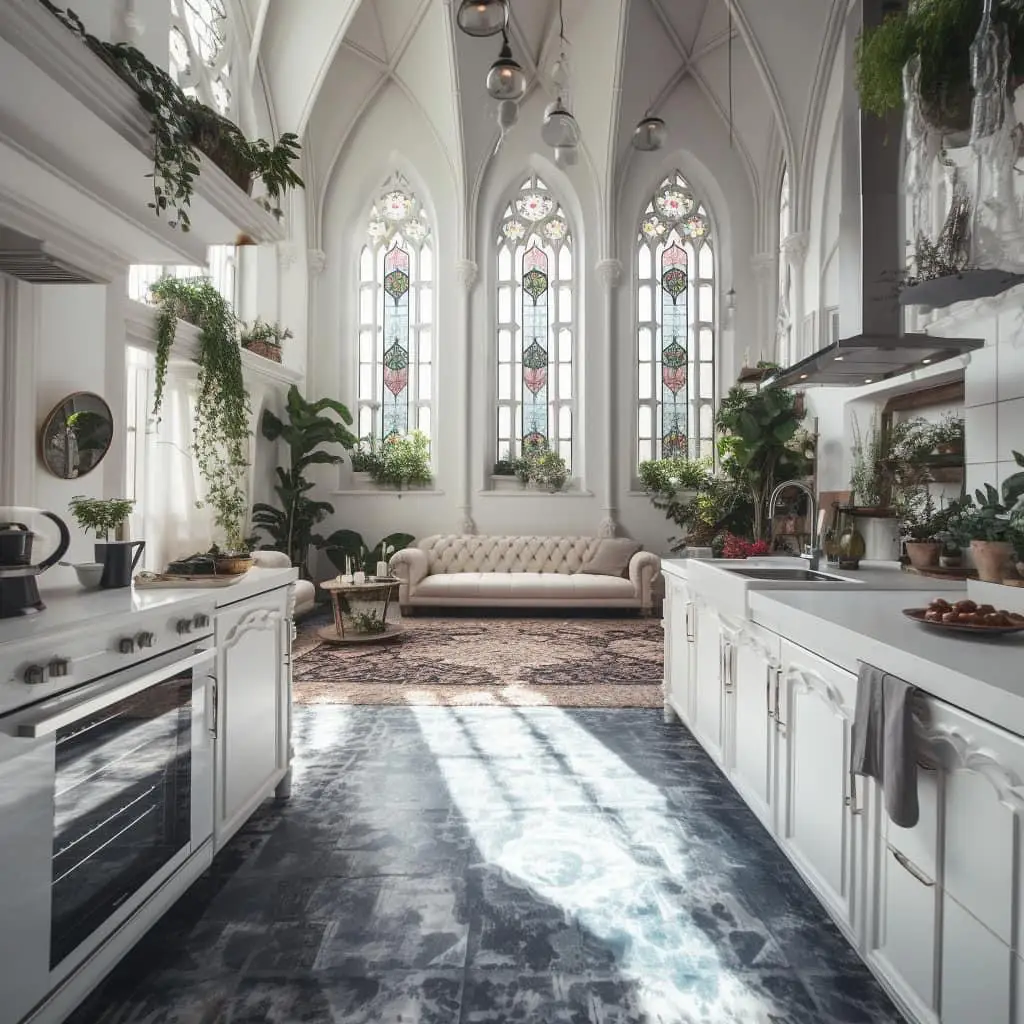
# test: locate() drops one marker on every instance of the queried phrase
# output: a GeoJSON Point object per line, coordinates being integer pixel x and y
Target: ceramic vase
{"type": "Point", "coordinates": [991, 558]}
{"type": "Point", "coordinates": [923, 554]}
{"type": "Point", "coordinates": [851, 548]}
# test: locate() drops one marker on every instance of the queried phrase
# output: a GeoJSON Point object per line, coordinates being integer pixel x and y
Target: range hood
{"type": "Point", "coordinates": [29, 259]}
{"type": "Point", "coordinates": [872, 345]}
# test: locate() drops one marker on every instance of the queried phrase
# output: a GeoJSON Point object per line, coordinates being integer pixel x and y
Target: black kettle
{"type": "Point", "coordinates": [19, 594]}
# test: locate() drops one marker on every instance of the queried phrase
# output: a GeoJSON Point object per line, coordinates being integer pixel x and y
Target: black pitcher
{"type": "Point", "coordinates": [118, 564]}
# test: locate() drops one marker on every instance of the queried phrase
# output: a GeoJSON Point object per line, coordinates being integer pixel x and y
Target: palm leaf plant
{"type": "Point", "coordinates": [345, 547]}
{"type": "Point", "coordinates": [309, 432]}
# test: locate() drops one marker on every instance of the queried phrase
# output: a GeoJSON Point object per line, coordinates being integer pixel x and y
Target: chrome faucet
{"type": "Point", "coordinates": [813, 554]}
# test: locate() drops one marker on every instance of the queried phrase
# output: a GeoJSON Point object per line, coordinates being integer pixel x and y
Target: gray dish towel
{"type": "Point", "coordinates": [883, 741]}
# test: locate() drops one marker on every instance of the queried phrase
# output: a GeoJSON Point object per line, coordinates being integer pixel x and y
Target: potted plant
{"type": "Point", "coordinates": [106, 516]}
{"type": "Point", "coordinates": [920, 524]}
{"type": "Point", "coordinates": [939, 33]}
{"type": "Point", "coordinates": [401, 461]}
{"type": "Point", "coordinates": [757, 429]}
{"type": "Point", "coordinates": [221, 430]}
{"type": "Point", "coordinates": [947, 436]}
{"type": "Point", "coordinates": [308, 432]}
{"type": "Point", "coordinates": [990, 523]}
{"type": "Point", "coordinates": [541, 467]}
{"type": "Point", "coordinates": [264, 338]}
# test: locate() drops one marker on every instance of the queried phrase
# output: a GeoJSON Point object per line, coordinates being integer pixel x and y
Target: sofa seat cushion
{"type": "Point", "coordinates": [523, 585]}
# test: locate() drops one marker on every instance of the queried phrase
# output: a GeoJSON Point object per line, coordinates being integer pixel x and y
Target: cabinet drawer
{"type": "Point", "coordinates": [919, 844]}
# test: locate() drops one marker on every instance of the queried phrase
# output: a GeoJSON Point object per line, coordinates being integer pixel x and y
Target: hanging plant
{"type": "Point", "coordinates": [182, 127]}
{"type": "Point", "coordinates": [940, 33]}
{"type": "Point", "coordinates": [221, 430]}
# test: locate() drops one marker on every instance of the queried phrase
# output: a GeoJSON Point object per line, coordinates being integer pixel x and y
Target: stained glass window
{"type": "Point", "coordinates": [676, 328]}
{"type": "Point", "coordinates": [536, 324]}
{"type": "Point", "coordinates": [200, 57]}
{"type": "Point", "coordinates": [396, 269]}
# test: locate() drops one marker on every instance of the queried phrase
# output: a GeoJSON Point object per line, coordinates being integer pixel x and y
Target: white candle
{"type": "Point", "coordinates": [358, 577]}
{"type": "Point", "coordinates": [746, 357]}
{"type": "Point", "coordinates": [382, 569]}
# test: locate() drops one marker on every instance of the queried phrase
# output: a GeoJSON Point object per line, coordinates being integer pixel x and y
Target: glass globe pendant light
{"type": "Point", "coordinates": [559, 128]}
{"type": "Point", "coordinates": [482, 17]}
{"type": "Point", "coordinates": [506, 79]}
{"type": "Point", "coordinates": [650, 134]}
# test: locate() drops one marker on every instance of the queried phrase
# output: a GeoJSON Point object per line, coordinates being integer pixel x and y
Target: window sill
{"type": "Point", "coordinates": [510, 487]}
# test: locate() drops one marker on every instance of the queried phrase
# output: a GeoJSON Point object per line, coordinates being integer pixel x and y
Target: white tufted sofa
{"type": "Point", "coordinates": [449, 570]}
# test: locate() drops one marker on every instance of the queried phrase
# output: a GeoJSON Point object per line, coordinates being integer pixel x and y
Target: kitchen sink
{"type": "Point", "coordinates": [791, 575]}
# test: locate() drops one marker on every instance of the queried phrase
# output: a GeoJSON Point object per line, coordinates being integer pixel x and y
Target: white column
{"type": "Point", "coordinates": [609, 273]}
{"type": "Point", "coordinates": [316, 260]}
{"type": "Point", "coordinates": [128, 26]}
{"type": "Point", "coordinates": [467, 273]}
{"type": "Point", "coordinates": [765, 268]}
{"type": "Point", "coordinates": [794, 249]}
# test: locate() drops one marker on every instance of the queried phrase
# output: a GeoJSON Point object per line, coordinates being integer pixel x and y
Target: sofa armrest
{"type": "Point", "coordinates": [644, 569]}
{"type": "Point", "coordinates": [410, 566]}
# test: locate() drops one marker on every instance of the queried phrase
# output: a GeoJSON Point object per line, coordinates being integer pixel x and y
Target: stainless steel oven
{"type": "Point", "coordinates": [105, 792]}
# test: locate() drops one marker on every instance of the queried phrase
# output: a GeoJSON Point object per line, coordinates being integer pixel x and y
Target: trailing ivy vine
{"type": "Point", "coordinates": [221, 430]}
{"type": "Point", "coordinates": [182, 127]}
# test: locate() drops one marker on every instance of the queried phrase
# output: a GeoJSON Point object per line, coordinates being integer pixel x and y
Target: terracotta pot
{"type": "Point", "coordinates": [923, 554]}
{"type": "Point", "coordinates": [991, 559]}
{"type": "Point", "coordinates": [265, 349]}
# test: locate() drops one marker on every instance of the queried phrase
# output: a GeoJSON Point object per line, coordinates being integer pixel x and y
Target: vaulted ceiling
{"type": "Point", "coordinates": [761, 65]}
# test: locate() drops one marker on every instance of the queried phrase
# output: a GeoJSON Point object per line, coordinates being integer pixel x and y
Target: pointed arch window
{"type": "Point", "coordinates": [200, 55]}
{"type": "Point", "coordinates": [676, 326]}
{"type": "Point", "coordinates": [396, 312]}
{"type": "Point", "coordinates": [536, 324]}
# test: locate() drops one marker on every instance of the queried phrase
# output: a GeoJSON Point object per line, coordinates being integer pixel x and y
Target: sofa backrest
{"type": "Point", "coordinates": [473, 553]}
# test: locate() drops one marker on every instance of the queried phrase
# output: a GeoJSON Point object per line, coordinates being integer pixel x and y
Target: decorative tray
{"type": "Point", "coordinates": [918, 615]}
{"type": "Point", "coordinates": [156, 580]}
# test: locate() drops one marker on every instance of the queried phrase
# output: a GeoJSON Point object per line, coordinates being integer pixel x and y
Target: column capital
{"type": "Point", "coordinates": [316, 260]}
{"type": "Point", "coordinates": [467, 273]}
{"type": "Point", "coordinates": [609, 273]}
{"type": "Point", "coordinates": [795, 247]}
{"type": "Point", "coordinates": [608, 527]}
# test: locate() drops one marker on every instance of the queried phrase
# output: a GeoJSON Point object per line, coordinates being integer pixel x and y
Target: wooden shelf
{"type": "Point", "coordinates": [970, 284]}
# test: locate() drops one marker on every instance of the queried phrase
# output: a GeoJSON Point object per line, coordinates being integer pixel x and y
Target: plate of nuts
{"type": "Point", "coordinates": [967, 617]}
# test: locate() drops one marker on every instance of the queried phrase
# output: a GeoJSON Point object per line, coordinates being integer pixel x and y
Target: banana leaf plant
{"type": "Point", "coordinates": [310, 434]}
{"type": "Point", "coordinates": [347, 544]}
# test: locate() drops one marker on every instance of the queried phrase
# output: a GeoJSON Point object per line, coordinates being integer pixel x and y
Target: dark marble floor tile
{"type": "Point", "coordinates": [393, 998]}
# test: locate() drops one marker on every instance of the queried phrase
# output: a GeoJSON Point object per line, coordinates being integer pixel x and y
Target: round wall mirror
{"type": "Point", "coordinates": [76, 435]}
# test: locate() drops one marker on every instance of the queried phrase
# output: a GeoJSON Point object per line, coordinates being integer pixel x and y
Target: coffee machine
{"type": "Point", "coordinates": [19, 594]}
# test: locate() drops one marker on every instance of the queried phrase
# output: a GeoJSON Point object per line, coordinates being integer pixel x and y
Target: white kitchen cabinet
{"type": "Point", "coordinates": [813, 732]}
{"type": "Point", "coordinates": [708, 681]}
{"type": "Point", "coordinates": [253, 700]}
{"type": "Point", "coordinates": [679, 649]}
{"type": "Point", "coordinates": [750, 718]}
{"type": "Point", "coordinates": [976, 970]}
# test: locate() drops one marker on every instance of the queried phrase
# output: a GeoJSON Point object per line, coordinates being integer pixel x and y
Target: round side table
{"type": "Point", "coordinates": [360, 612]}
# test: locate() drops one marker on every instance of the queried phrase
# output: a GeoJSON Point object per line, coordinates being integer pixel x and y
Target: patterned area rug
{"type": "Point", "coordinates": [584, 663]}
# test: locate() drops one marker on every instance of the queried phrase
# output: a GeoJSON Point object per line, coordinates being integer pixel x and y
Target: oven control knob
{"type": "Point", "coordinates": [58, 667]}
{"type": "Point", "coordinates": [126, 645]}
{"type": "Point", "coordinates": [34, 675]}
{"type": "Point", "coordinates": [200, 621]}
{"type": "Point", "coordinates": [144, 640]}
{"type": "Point", "coordinates": [184, 625]}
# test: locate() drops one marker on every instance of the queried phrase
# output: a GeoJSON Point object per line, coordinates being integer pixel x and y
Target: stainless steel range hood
{"type": "Point", "coordinates": [872, 344]}
{"type": "Point", "coordinates": [29, 259]}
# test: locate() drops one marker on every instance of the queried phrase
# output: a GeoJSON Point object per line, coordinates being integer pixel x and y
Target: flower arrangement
{"type": "Point", "coordinates": [542, 468]}
{"type": "Point", "coordinates": [741, 547]}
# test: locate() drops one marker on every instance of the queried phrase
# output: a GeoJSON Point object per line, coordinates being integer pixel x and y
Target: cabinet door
{"type": "Point", "coordinates": [252, 703]}
{"type": "Point", "coordinates": [813, 726]}
{"type": "Point", "coordinates": [976, 970]}
{"type": "Point", "coordinates": [755, 661]}
{"type": "Point", "coordinates": [707, 682]}
{"type": "Point", "coordinates": [679, 643]}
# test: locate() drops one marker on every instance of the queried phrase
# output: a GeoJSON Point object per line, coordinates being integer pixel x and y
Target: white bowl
{"type": "Point", "coordinates": [89, 574]}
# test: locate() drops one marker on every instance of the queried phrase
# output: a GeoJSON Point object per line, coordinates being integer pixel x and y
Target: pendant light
{"type": "Point", "coordinates": [506, 80]}
{"type": "Point", "coordinates": [559, 129]}
{"type": "Point", "coordinates": [566, 156]}
{"type": "Point", "coordinates": [482, 17]}
{"type": "Point", "coordinates": [650, 133]}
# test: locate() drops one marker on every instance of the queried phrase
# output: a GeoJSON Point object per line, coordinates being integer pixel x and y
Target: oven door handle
{"type": "Point", "coordinates": [89, 705]}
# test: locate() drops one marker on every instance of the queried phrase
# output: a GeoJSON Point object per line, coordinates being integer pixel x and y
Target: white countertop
{"type": "Point", "coordinates": [980, 675]}
{"type": "Point", "coordinates": [73, 607]}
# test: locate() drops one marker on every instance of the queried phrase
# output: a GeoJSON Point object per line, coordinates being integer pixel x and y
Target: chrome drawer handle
{"type": "Point", "coordinates": [904, 863]}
